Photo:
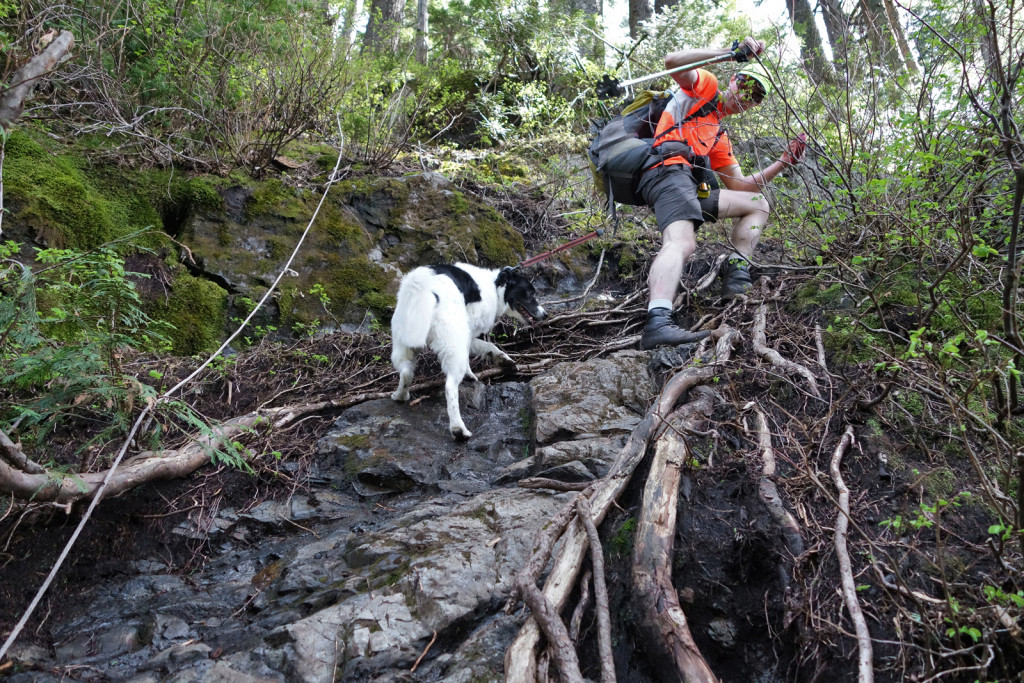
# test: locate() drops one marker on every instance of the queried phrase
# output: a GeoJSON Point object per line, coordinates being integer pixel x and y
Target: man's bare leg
{"type": "Point", "coordinates": [678, 244]}
{"type": "Point", "coordinates": [750, 209]}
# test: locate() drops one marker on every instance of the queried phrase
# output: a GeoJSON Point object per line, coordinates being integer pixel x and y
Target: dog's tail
{"type": "Point", "coordinates": [414, 311]}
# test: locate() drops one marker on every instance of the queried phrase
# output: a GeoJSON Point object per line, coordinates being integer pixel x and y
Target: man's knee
{"type": "Point", "coordinates": [761, 208]}
{"type": "Point", "coordinates": [679, 240]}
{"type": "Point", "coordinates": [735, 204]}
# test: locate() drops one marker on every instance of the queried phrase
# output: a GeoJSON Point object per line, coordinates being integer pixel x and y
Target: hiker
{"type": "Point", "coordinates": [671, 187]}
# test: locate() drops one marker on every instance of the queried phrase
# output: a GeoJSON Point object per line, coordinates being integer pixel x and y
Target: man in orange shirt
{"type": "Point", "coordinates": [694, 150]}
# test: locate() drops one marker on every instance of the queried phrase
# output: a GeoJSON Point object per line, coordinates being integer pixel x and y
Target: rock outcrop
{"type": "Point", "coordinates": [404, 542]}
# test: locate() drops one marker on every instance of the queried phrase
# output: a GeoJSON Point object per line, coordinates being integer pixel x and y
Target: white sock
{"type": "Point", "coordinates": [659, 303]}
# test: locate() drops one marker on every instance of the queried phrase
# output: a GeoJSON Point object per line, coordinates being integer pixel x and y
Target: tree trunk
{"type": "Point", "coordinates": [837, 27]}
{"type": "Point", "coordinates": [662, 5]}
{"type": "Point", "coordinates": [593, 11]}
{"type": "Point", "coordinates": [802, 17]}
{"type": "Point", "coordinates": [901, 37]}
{"type": "Point", "coordinates": [421, 31]}
{"type": "Point", "coordinates": [348, 23]}
{"type": "Point", "coordinates": [383, 30]}
{"type": "Point", "coordinates": [639, 10]}
{"type": "Point", "coordinates": [879, 34]}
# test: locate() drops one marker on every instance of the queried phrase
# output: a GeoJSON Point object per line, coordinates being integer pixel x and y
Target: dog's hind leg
{"type": "Point", "coordinates": [488, 351]}
{"type": "Point", "coordinates": [404, 360]}
{"type": "Point", "coordinates": [451, 394]}
{"type": "Point", "coordinates": [454, 357]}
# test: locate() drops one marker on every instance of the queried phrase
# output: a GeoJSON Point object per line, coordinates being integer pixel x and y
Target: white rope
{"type": "Point", "coordinates": [162, 399]}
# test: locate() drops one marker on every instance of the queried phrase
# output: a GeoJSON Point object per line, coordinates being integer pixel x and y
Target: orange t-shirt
{"type": "Point", "coordinates": [702, 132]}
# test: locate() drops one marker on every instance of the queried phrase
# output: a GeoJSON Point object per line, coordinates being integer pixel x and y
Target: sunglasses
{"type": "Point", "coordinates": [750, 88]}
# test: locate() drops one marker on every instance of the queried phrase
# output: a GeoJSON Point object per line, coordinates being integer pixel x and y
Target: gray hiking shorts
{"type": "Point", "coordinates": [672, 193]}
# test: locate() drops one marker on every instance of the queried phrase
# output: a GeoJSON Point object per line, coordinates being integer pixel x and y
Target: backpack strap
{"type": "Point", "coordinates": [705, 109]}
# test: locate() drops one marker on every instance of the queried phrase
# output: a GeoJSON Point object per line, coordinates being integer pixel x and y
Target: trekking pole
{"type": "Point", "coordinates": [609, 87]}
{"type": "Point", "coordinates": [568, 245]}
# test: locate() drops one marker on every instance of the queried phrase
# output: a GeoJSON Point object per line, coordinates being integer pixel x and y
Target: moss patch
{"type": "Point", "coordinates": [70, 202]}
{"type": "Point", "coordinates": [195, 310]}
{"type": "Point", "coordinates": [273, 197]}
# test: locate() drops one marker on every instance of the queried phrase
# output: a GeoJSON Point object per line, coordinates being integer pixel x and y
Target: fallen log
{"type": "Point", "coordinates": [21, 477]}
{"type": "Point", "coordinates": [22, 81]}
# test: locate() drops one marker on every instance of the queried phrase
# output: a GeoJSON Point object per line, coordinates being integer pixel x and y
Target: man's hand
{"type": "Point", "coordinates": [742, 52]}
{"type": "Point", "coordinates": [797, 147]}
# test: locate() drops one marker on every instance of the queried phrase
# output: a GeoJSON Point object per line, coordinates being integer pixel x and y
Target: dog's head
{"type": "Point", "coordinates": [520, 296]}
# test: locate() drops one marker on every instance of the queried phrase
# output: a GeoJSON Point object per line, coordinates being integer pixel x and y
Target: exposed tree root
{"type": "Point", "coordinates": [865, 656]}
{"type": "Point", "coordinates": [545, 613]}
{"type": "Point", "coordinates": [581, 607]}
{"type": "Point", "coordinates": [661, 615]}
{"type": "Point", "coordinates": [774, 357]}
{"type": "Point", "coordinates": [604, 625]}
{"type": "Point", "coordinates": [521, 659]}
{"type": "Point", "coordinates": [769, 494]}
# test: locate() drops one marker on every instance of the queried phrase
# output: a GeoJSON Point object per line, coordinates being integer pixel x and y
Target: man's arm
{"type": "Point", "coordinates": [732, 177]}
{"type": "Point", "coordinates": [687, 79]}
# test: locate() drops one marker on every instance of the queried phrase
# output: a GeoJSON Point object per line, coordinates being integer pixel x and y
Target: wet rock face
{"type": "Point", "coordinates": [400, 533]}
{"type": "Point", "coordinates": [388, 447]}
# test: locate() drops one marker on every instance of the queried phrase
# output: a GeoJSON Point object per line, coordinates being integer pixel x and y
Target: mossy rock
{"type": "Point", "coordinates": [368, 232]}
{"type": "Point", "coordinates": [62, 199]}
{"type": "Point", "coordinates": [195, 308]}
{"type": "Point", "coordinates": [818, 293]}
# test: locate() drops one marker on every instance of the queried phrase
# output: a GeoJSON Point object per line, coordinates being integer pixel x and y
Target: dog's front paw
{"type": "Point", "coordinates": [498, 357]}
{"type": "Point", "coordinates": [400, 396]}
{"type": "Point", "coordinates": [460, 432]}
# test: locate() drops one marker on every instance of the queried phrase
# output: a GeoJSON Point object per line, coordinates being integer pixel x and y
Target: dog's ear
{"type": "Point", "coordinates": [505, 275]}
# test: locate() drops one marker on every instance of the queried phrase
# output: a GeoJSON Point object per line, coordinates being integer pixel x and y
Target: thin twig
{"type": "Point", "coordinates": [424, 653]}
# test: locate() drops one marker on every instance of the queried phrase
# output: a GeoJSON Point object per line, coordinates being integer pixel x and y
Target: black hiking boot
{"type": "Point", "coordinates": [661, 330]}
{"type": "Point", "coordinates": [735, 278]}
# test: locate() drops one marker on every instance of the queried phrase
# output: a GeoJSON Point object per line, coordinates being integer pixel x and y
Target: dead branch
{"type": "Point", "coordinates": [12, 453]}
{"type": "Point", "coordinates": [146, 466]}
{"type": "Point", "coordinates": [865, 657]}
{"type": "Point", "coordinates": [774, 357]}
{"type": "Point", "coordinates": [24, 80]}
{"type": "Point", "coordinates": [604, 623]}
{"type": "Point", "coordinates": [521, 656]}
{"type": "Point", "coordinates": [709, 278]}
{"type": "Point", "coordinates": [661, 614]}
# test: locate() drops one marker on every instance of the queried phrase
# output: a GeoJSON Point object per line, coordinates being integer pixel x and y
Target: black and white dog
{"type": "Point", "coordinates": [446, 308]}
